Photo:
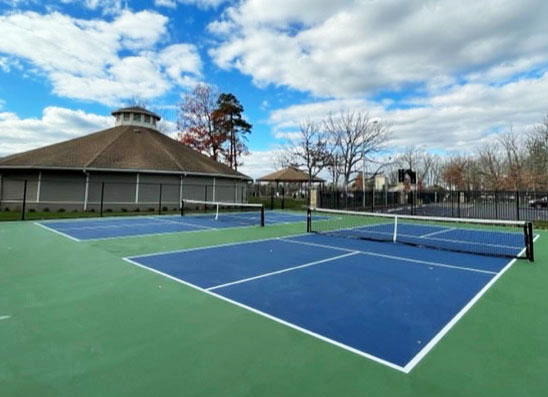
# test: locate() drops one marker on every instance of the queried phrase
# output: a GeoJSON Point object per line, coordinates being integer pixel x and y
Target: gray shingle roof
{"type": "Point", "coordinates": [123, 147]}
{"type": "Point", "coordinates": [289, 174]}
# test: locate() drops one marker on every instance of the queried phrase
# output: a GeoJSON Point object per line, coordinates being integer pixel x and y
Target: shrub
{"type": "Point", "coordinates": [7, 209]}
{"type": "Point", "coordinates": [137, 210]}
{"type": "Point", "coordinates": [61, 210]}
{"type": "Point", "coordinates": [123, 209]}
{"type": "Point", "coordinates": [32, 210]}
{"type": "Point", "coordinates": [151, 210]}
{"type": "Point", "coordinates": [165, 209]}
{"type": "Point", "coordinates": [108, 210]}
{"type": "Point", "coordinates": [46, 209]}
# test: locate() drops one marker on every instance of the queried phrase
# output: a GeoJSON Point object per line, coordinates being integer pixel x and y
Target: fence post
{"type": "Point", "coordinates": [452, 206]}
{"type": "Point", "coordinates": [102, 198]}
{"type": "Point", "coordinates": [458, 204]}
{"type": "Point", "coordinates": [283, 198]}
{"type": "Point", "coordinates": [160, 201]}
{"type": "Point", "coordinates": [205, 199]}
{"type": "Point", "coordinates": [517, 205]}
{"type": "Point", "coordinates": [496, 205]}
{"type": "Point", "coordinates": [23, 206]}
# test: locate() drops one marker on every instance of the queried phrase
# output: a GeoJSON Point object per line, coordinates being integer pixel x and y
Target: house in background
{"type": "Point", "coordinates": [377, 181]}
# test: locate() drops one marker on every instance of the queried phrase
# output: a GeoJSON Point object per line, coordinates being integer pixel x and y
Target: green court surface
{"type": "Point", "coordinates": [77, 320]}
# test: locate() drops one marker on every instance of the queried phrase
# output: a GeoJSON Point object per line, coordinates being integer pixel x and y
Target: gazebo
{"type": "Point", "coordinates": [291, 176]}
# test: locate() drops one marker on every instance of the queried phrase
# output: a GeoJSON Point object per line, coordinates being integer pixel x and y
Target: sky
{"type": "Point", "coordinates": [445, 75]}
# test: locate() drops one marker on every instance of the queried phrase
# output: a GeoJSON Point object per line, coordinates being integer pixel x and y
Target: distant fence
{"type": "Point", "coordinates": [278, 197]}
{"type": "Point", "coordinates": [27, 199]}
{"type": "Point", "coordinates": [504, 205]}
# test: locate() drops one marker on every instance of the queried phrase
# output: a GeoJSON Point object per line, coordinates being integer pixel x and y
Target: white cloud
{"type": "Point", "coordinates": [348, 48]}
{"type": "Point", "coordinates": [203, 4]}
{"type": "Point", "coordinates": [259, 163]}
{"type": "Point", "coordinates": [459, 119]}
{"type": "Point", "coordinates": [165, 3]}
{"type": "Point", "coordinates": [55, 125]}
{"type": "Point", "coordinates": [82, 58]}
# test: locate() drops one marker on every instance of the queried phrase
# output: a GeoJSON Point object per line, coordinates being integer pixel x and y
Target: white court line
{"type": "Point", "coordinates": [183, 223]}
{"type": "Point", "coordinates": [215, 246]}
{"type": "Point", "coordinates": [4, 317]}
{"type": "Point", "coordinates": [58, 232]}
{"type": "Point", "coordinates": [276, 319]}
{"type": "Point", "coordinates": [438, 232]}
{"type": "Point", "coordinates": [399, 258]}
{"type": "Point", "coordinates": [283, 270]}
{"type": "Point", "coordinates": [420, 355]}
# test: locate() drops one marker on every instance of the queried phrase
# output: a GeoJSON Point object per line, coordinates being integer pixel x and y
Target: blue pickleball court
{"type": "Point", "coordinates": [388, 302]}
{"type": "Point", "coordinates": [105, 228]}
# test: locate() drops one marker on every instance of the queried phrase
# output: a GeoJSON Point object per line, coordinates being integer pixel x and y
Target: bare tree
{"type": "Point", "coordinates": [353, 135]}
{"type": "Point", "coordinates": [491, 165]}
{"type": "Point", "coordinates": [454, 172]}
{"type": "Point", "coordinates": [308, 150]}
{"type": "Point", "coordinates": [515, 160]}
{"type": "Point", "coordinates": [536, 145]}
{"type": "Point", "coordinates": [420, 161]}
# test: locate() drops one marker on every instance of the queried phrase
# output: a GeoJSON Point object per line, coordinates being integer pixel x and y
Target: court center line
{"type": "Point", "coordinates": [161, 221]}
{"type": "Point", "coordinates": [438, 232]}
{"type": "Point", "coordinates": [4, 317]}
{"type": "Point", "coordinates": [289, 269]}
{"type": "Point", "coordinates": [399, 258]}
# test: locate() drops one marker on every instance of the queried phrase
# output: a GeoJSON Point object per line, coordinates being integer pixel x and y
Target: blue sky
{"type": "Point", "coordinates": [446, 75]}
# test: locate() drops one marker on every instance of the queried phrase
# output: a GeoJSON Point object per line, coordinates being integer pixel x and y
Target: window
{"type": "Point", "coordinates": [126, 116]}
{"type": "Point", "coordinates": [147, 118]}
{"type": "Point", "coordinates": [137, 116]}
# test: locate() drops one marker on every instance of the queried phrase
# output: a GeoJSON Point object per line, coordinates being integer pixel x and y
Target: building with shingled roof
{"type": "Point", "coordinates": [131, 165]}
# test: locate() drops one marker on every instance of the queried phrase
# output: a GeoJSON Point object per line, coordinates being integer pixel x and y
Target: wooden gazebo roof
{"type": "Point", "coordinates": [289, 174]}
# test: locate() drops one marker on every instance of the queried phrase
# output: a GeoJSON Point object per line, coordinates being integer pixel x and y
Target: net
{"type": "Point", "coordinates": [235, 213]}
{"type": "Point", "coordinates": [512, 239]}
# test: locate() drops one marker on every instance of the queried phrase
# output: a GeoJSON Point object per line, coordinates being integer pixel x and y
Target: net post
{"type": "Point", "coordinates": [262, 215]}
{"type": "Point", "coordinates": [529, 241]}
{"type": "Point", "coordinates": [24, 204]}
{"type": "Point", "coordinates": [308, 220]}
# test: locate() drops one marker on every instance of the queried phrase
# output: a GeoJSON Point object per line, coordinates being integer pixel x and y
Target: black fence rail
{"type": "Point", "coordinates": [40, 199]}
{"type": "Point", "coordinates": [278, 197]}
{"type": "Point", "coordinates": [503, 205]}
